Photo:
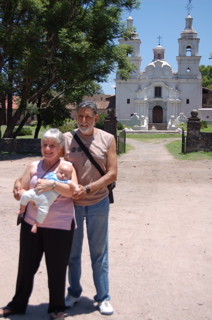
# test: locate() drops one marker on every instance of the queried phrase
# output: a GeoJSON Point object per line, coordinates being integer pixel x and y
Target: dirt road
{"type": "Point", "coordinates": [160, 241]}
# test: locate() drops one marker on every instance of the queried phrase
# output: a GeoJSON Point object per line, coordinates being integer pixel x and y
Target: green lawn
{"type": "Point", "coordinates": [174, 148]}
{"type": "Point", "coordinates": [152, 136]}
{"type": "Point", "coordinates": [42, 130]}
{"type": "Point", "coordinates": [208, 129]}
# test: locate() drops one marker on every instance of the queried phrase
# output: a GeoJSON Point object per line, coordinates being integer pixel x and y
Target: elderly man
{"type": "Point", "coordinates": [91, 203]}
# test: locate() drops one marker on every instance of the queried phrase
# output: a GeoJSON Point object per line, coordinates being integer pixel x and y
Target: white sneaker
{"type": "Point", "coordinates": [70, 301]}
{"type": "Point", "coordinates": [105, 307]}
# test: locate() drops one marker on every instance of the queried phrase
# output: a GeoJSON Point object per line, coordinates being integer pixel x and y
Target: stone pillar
{"type": "Point", "coordinates": [110, 124]}
{"type": "Point", "coordinates": [193, 132]}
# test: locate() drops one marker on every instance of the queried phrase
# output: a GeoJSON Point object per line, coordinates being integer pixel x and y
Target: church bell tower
{"type": "Point", "coordinates": [188, 58]}
{"type": "Point", "coordinates": [134, 42]}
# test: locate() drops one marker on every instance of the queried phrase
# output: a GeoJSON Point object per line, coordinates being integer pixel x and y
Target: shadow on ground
{"type": "Point", "coordinates": [85, 306]}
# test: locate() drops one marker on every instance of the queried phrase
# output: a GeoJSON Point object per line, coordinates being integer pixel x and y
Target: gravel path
{"type": "Point", "coordinates": [160, 240]}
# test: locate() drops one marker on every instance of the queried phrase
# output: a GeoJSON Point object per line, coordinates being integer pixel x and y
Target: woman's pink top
{"type": "Point", "coordinates": [61, 212]}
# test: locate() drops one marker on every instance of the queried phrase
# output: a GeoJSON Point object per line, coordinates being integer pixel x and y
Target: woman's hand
{"type": "Point", "coordinates": [43, 185]}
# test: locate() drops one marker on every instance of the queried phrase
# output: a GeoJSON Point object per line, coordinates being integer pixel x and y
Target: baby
{"type": "Point", "coordinates": [44, 200]}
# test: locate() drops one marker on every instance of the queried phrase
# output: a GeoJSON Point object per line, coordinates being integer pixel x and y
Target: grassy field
{"type": "Point", "coordinates": [152, 136]}
{"type": "Point", "coordinates": [174, 147]}
{"type": "Point", "coordinates": [208, 129]}
{"type": "Point", "coordinates": [42, 130]}
{"type": "Point", "coordinates": [144, 137]}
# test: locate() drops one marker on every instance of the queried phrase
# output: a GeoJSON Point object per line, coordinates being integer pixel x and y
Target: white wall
{"type": "Point", "coordinates": [205, 114]}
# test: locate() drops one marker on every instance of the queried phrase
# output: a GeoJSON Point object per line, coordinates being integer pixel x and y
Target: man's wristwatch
{"type": "Point", "coordinates": [87, 189]}
{"type": "Point", "coordinates": [53, 185]}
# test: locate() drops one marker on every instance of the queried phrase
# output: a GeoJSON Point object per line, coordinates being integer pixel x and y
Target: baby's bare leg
{"type": "Point", "coordinates": [34, 228]}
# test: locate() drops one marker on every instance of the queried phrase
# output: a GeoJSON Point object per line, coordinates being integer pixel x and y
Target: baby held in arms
{"type": "Point", "coordinates": [44, 200]}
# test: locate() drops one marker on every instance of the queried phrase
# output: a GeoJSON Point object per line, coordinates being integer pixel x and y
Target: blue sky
{"type": "Point", "coordinates": [166, 18]}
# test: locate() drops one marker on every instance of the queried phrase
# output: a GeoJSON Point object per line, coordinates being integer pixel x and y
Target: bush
{"type": "Point", "coordinates": [68, 126]}
{"type": "Point", "coordinates": [25, 132]}
{"type": "Point", "coordinates": [33, 123]}
{"type": "Point", "coordinates": [204, 124]}
{"type": "Point", "coordinates": [120, 126]}
{"type": "Point", "coordinates": [101, 120]}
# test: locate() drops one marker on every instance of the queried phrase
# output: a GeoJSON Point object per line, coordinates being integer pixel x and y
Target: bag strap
{"type": "Point", "coordinates": [49, 169]}
{"type": "Point", "coordinates": [88, 154]}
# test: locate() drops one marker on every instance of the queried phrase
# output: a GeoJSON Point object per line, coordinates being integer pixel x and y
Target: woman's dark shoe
{"type": "Point", "coordinates": [6, 312]}
{"type": "Point", "coordinates": [57, 315]}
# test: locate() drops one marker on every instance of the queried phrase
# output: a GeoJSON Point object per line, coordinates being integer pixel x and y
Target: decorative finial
{"type": "Point", "coordinates": [189, 7]}
{"type": "Point", "coordinates": [159, 38]}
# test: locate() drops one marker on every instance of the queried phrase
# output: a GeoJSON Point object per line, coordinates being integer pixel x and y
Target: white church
{"type": "Point", "coordinates": [159, 96]}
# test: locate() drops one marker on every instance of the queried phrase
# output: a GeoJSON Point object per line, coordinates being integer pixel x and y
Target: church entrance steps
{"type": "Point", "coordinates": [157, 126]}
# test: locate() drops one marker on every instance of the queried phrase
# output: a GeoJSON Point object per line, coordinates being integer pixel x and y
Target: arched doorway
{"type": "Point", "coordinates": [157, 114]}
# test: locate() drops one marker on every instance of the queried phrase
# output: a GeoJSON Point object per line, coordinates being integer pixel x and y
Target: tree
{"type": "Point", "coordinates": [206, 72]}
{"type": "Point", "coordinates": [57, 50]}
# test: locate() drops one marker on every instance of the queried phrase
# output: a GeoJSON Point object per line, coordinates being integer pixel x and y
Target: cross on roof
{"type": "Point", "coordinates": [189, 6]}
{"type": "Point", "coordinates": [159, 38]}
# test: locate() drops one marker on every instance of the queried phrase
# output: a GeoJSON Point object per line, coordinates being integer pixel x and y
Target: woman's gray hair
{"type": "Point", "coordinates": [54, 133]}
{"type": "Point", "coordinates": [87, 104]}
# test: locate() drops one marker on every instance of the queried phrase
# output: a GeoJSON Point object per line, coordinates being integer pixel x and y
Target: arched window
{"type": "Point", "coordinates": [188, 51]}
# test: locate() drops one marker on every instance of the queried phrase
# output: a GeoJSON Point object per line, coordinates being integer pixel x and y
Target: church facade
{"type": "Point", "coordinates": [158, 95]}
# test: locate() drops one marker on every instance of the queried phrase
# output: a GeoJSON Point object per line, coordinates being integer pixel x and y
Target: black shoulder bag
{"type": "Point", "coordinates": [112, 185]}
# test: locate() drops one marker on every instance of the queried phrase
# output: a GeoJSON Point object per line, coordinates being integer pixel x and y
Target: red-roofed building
{"type": "Point", "coordinates": [104, 102]}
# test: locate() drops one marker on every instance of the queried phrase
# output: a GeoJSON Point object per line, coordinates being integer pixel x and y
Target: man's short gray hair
{"type": "Point", "coordinates": [53, 133]}
{"type": "Point", "coordinates": [87, 104]}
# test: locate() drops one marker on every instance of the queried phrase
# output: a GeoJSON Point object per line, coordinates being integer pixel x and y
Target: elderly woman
{"type": "Point", "coordinates": [53, 237]}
